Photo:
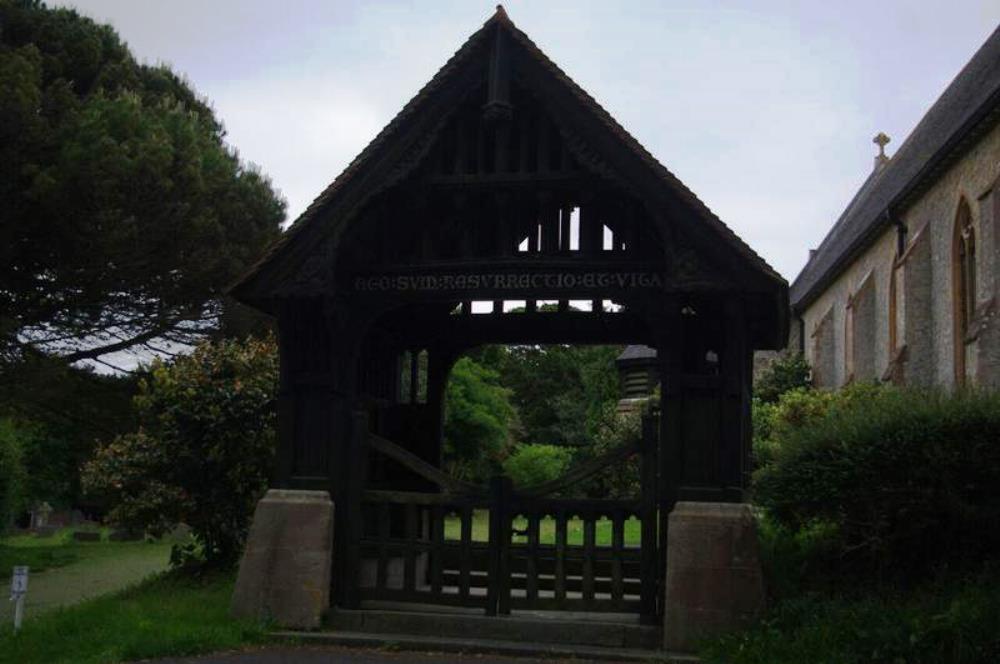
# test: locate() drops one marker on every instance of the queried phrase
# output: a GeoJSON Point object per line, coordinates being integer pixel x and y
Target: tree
{"type": "Point", "coordinates": [563, 394]}
{"type": "Point", "coordinates": [203, 448]}
{"type": "Point", "coordinates": [478, 421]}
{"type": "Point", "coordinates": [123, 213]}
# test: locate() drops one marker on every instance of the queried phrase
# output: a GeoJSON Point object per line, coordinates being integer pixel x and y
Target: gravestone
{"type": "Point", "coordinates": [40, 516]}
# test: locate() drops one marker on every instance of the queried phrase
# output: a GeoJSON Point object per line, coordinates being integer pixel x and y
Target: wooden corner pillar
{"type": "Point", "coordinates": [319, 345]}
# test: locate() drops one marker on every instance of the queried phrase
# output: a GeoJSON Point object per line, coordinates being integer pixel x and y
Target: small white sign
{"type": "Point", "coordinates": [19, 581]}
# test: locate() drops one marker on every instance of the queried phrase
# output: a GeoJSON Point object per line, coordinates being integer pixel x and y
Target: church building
{"type": "Point", "coordinates": [904, 287]}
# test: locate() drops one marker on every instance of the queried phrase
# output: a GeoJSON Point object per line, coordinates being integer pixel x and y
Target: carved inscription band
{"type": "Point", "coordinates": [509, 281]}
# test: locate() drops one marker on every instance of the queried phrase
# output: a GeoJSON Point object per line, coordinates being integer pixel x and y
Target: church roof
{"type": "Point", "coordinates": [968, 106]}
{"type": "Point", "coordinates": [342, 195]}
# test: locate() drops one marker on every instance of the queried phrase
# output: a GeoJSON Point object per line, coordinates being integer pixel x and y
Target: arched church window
{"type": "Point", "coordinates": [964, 285]}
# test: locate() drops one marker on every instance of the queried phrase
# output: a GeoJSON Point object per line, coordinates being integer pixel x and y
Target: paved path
{"type": "Point", "coordinates": [334, 655]}
{"type": "Point", "coordinates": [95, 573]}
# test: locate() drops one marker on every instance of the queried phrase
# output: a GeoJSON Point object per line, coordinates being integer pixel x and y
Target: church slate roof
{"type": "Point", "coordinates": [252, 286]}
{"type": "Point", "coordinates": [968, 107]}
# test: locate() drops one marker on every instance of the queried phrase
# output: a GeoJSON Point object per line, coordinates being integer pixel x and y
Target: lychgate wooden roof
{"type": "Point", "coordinates": [300, 263]}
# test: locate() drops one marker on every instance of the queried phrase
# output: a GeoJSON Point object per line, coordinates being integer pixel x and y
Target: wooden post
{"type": "Point", "coordinates": [670, 353]}
{"type": "Point", "coordinates": [649, 572]}
{"type": "Point", "coordinates": [356, 452]}
{"type": "Point", "coordinates": [498, 590]}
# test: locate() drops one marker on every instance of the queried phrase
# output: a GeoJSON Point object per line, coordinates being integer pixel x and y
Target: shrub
{"type": "Point", "coordinates": [203, 449]}
{"type": "Point", "coordinates": [774, 423]}
{"type": "Point", "coordinates": [621, 479]}
{"type": "Point", "coordinates": [951, 620]}
{"type": "Point", "coordinates": [477, 422]}
{"type": "Point", "coordinates": [906, 477]}
{"type": "Point", "coordinates": [786, 373]}
{"type": "Point", "coordinates": [12, 476]}
{"type": "Point", "coordinates": [534, 464]}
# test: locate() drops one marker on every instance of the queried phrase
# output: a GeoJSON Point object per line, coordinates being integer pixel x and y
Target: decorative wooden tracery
{"type": "Point", "coordinates": [504, 205]}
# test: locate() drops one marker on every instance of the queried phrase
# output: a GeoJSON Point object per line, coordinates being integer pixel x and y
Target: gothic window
{"type": "Point", "coordinates": [964, 286]}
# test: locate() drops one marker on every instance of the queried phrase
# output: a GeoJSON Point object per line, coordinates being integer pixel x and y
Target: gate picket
{"type": "Point", "coordinates": [410, 559]}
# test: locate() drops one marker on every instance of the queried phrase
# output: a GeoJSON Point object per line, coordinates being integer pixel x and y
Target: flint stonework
{"type": "Point", "coordinates": [714, 581]}
{"type": "Point", "coordinates": [284, 575]}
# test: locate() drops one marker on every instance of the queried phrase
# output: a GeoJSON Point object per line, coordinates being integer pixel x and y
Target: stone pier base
{"type": "Point", "coordinates": [285, 572]}
{"type": "Point", "coordinates": [714, 582]}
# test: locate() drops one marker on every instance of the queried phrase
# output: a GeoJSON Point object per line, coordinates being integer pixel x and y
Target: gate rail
{"type": "Point", "coordinates": [423, 547]}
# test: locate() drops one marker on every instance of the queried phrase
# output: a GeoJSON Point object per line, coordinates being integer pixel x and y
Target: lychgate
{"type": "Point", "coordinates": [504, 205]}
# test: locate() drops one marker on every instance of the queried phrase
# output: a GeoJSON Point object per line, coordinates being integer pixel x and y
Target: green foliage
{"type": "Point", "coordinates": [953, 621]}
{"type": "Point", "coordinates": [562, 394]}
{"type": "Point", "coordinates": [12, 475]}
{"type": "Point", "coordinates": [478, 421]}
{"type": "Point", "coordinates": [533, 464]}
{"type": "Point", "coordinates": [801, 561]}
{"type": "Point", "coordinates": [170, 615]}
{"type": "Point", "coordinates": [622, 479]}
{"type": "Point", "coordinates": [786, 373]}
{"type": "Point", "coordinates": [39, 553]}
{"type": "Point", "coordinates": [203, 449]}
{"type": "Point", "coordinates": [124, 213]}
{"type": "Point", "coordinates": [907, 478]}
{"type": "Point", "coordinates": [62, 412]}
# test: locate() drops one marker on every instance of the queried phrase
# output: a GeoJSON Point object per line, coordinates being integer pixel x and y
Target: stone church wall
{"type": "Point", "coordinates": [972, 177]}
{"type": "Point", "coordinates": [928, 328]}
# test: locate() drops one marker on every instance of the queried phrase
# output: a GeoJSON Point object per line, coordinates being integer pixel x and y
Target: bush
{"type": "Point", "coordinates": [786, 373]}
{"type": "Point", "coordinates": [534, 464]}
{"type": "Point", "coordinates": [951, 620]}
{"type": "Point", "coordinates": [621, 479]}
{"type": "Point", "coordinates": [203, 449]}
{"type": "Point", "coordinates": [477, 422]}
{"type": "Point", "coordinates": [12, 476]}
{"type": "Point", "coordinates": [774, 423]}
{"type": "Point", "coordinates": [907, 478]}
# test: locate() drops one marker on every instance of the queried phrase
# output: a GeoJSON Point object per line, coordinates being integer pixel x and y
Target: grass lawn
{"type": "Point", "coordinates": [59, 550]}
{"type": "Point", "coordinates": [546, 530]}
{"type": "Point", "coordinates": [37, 552]}
{"type": "Point", "coordinates": [64, 571]}
{"type": "Point", "coordinates": [168, 615]}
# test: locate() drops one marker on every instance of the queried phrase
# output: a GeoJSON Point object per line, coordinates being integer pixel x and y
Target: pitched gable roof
{"type": "Point", "coordinates": [969, 105]}
{"type": "Point", "coordinates": [304, 231]}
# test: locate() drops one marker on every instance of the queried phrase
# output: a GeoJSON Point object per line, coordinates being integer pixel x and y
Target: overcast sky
{"type": "Point", "coordinates": [765, 109]}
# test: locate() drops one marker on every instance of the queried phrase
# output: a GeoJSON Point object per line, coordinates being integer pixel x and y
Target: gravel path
{"type": "Point", "coordinates": [96, 573]}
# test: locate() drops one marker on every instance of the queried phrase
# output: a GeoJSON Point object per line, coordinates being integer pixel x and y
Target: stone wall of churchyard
{"type": "Point", "coordinates": [926, 327]}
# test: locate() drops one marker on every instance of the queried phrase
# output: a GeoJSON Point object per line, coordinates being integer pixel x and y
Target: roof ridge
{"type": "Point", "coordinates": [965, 103]}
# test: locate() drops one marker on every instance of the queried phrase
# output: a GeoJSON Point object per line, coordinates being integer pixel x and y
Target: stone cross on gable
{"type": "Point", "coordinates": [881, 140]}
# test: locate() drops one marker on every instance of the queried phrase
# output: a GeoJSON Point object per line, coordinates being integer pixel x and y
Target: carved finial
{"type": "Point", "coordinates": [881, 140]}
{"type": "Point", "coordinates": [501, 12]}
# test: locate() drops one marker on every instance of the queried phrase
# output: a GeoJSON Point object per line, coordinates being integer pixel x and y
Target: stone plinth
{"type": "Point", "coordinates": [714, 581]}
{"type": "Point", "coordinates": [285, 572]}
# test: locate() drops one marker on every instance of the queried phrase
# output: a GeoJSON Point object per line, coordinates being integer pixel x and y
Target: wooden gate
{"type": "Point", "coordinates": [502, 549]}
